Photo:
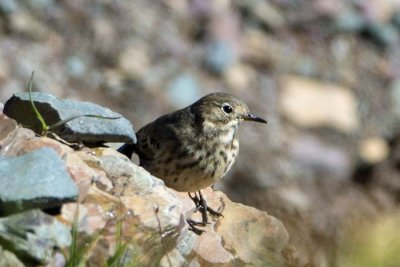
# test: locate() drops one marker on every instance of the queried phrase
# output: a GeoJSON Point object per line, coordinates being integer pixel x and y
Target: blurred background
{"type": "Point", "coordinates": [325, 74]}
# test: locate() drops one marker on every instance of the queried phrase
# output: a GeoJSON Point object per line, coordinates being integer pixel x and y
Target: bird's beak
{"type": "Point", "coordinates": [251, 117]}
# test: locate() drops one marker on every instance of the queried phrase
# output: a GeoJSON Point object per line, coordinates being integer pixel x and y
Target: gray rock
{"type": "Point", "coordinates": [220, 55]}
{"type": "Point", "coordinates": [35, 180]}
{"type": "Point", "coordinates": [264, 12]}
{"type": "Point", "coordinates": [350, 20]}
{"type": "Point", "coordinates": [8, 6]}
{"type": "Point", "coordinates": [33, 235]}
{"type": "Point", "coordinates": [383, 34]}
{"type": "Point", "coordinates": [76, 67]}
{"type": "Point", "coordinates": [395, 98]}
{"type": "Point", "coordinates": [82, 129]}
{"type": "Point", "coordinates": [313, 154]}
{"type": "Point", "coordinates": [396, 20]}
{"type": "Point", "coordinates": [183, 90]}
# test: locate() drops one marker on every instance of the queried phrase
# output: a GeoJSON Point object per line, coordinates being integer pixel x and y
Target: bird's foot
{"type": "Point", "coordinates": [203, 208]}
{"type": "Point", "coordinates": [193, 226]}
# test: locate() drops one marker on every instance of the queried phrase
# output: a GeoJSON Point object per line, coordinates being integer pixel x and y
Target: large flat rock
{"type": "Point", "coordinates": [82, 129]}
{"type": "Point", "coordinates": [37, 179]}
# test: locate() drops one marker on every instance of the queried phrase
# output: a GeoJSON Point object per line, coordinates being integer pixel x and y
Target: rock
{"type": "Point", "coordinates": [239, 77]}
{"type": "Point", "coordinates": [33, 235]}
{"type": "Point", "coordinates": [7, 127]}
{"type": "Point", "coordinates": [4, 71]}
{"type": "Point", "coordinates": [246, 225]}
{"type": "Point", "coordinates": [154, 216]}
{"type": "Point", "coordinates": [395, 98]}
{"type": "Point", "coordinates": [34, 180]}
{"type": "Point", "coordinates": [380, 11]}
{"type": "Point", "coordinates": [373, 150]}
{"type": "Point", "coordinates": [183, 90]}
{"type": "Point", "coordinates": [82, 129]}
{"type": "Point", "coordinates": [313, 154]}
{"type": "Point", "coordinates": [220, 55]}
{"type": "Point", "coordinates": [76, 67]}
{"type": "Point", "coordinates": [134, 62]}
{"type": "Point", "coordinates": [396, 20]}
{"type": "Point", "coordinates": [350, 20]}
{"type": "Point", "coordinates": [113, 82]}
{"type": "Point", "coordinates": [8, 259]}
{"type": "Point", "coordinates": [26, 24]}
{"type": "Point", "coordinates": [265, 12]}
{"type": "Point", "coordinates": [9, 6]}
{"type": "Point", "coordinates": [83, 176]}
{"type": "Point", "coordinates": [244, 236]}
{"type": "Point", "coordinates": [294, 198]}
{"type": "Point", "coordinates": [12, 137]}
{"type": "Point", "coordinates": [309, 103]}
{"type": "Point", "coordinates": [260, 49]}
{"type": "Point", "coordinates": [151, 217]}
{"type": "Point", "coordinates": [19, 141]}
{"type": "Point", "coordinates": [383, 175]}
{"type": "Point", "coordinates": [383, 34]}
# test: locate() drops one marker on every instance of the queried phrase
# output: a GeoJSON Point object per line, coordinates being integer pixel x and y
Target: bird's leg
{"type": "Point", "coordinates": [206, 208]}
{"type": "Point", "coordinates": [192, 223]}
{"type": "Point", "coordinates": [195, 199]}
{"type": "Point", "coordinates": [192, 227]}
{"type": "Point", "coordinates": [201, 205]}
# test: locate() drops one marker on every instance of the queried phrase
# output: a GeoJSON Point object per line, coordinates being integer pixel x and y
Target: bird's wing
{"type": "Point", "coordinates": [158, 136]}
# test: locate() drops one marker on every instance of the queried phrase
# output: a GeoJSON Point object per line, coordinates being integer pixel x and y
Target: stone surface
{"type": "Point", "coordinates": [309, 103]}
{"type": "Point", "coordinates": [7, 127]}
{"type": "Point", "coordinates": [265, 12]}
{"type": "Point", "coordinates": [34, 180]}
{"type": "Point", "coordinates": [373, 149]}
{"type": "Point", "coordinates": [183, 90]}
{"type": "Point", "coordinates": [317, 156]}
{"type": "Point", "coordinates": [82, 129]}
{"type": "Point", "coordinates": [8, 259]}
{"type": "Point", "coordinates": [153, 215]}
{"type": "Point", "coordinates": [220, 55]}
{"type": "Point", "coordinates": [33, 235]}
{"type": "Point", "coordinates": [12, 137]}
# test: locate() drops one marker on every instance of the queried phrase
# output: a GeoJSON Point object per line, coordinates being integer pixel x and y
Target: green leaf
{"type": "Point", "coordinates": [39, 116]}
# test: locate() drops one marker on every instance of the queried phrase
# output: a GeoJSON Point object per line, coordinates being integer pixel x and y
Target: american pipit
{"type": "Point", "coordinates": [192, 148]}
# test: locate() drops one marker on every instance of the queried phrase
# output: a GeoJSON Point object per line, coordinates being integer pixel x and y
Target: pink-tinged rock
{"type": "Point", "coordinates": [12, 137]}
{"type": "Point", "coordinates": [7, 126]}
{"type": "Point", "coordinates": [153, 218]}
{"type": "Point", "coordinates": [90, 217]}
{"type": "Point", "coordinates": [81, 173]}
{"type": "Point", "coordinates": [34, 143]}
{"type": "Point", "coordinates": [265, 236]}
{"type": "Point", "coordinates": [222, 244]}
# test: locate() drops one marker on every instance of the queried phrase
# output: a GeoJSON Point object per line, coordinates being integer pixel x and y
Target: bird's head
{"type": "Point", "coordinates": [223, 111]}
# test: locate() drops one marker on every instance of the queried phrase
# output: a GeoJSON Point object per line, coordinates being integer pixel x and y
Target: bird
{"type": "Point", "coordinates": [194, 147]}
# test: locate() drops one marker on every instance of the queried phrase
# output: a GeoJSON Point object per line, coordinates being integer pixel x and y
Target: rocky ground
{"type": "Point", "coordinates": [325, 74]}
{"type": "Point", "coordinates": [107, 209]}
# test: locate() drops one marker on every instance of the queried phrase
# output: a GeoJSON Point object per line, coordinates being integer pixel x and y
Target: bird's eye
{"type": "Point", "coordinates": [227, 108]}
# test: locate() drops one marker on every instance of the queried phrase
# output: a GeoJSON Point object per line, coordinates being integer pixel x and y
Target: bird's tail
{"type": "Point", "coordinates": [127, 150]}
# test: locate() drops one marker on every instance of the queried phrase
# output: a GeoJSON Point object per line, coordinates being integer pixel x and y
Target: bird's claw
{"type": "Point", "coordinates": [203, 208]}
